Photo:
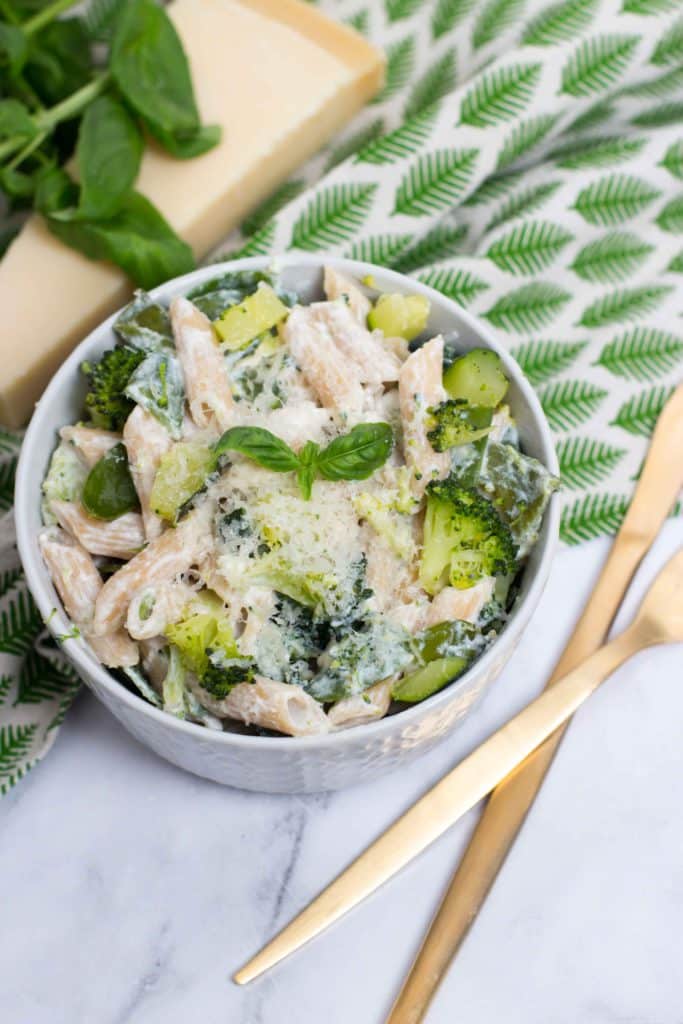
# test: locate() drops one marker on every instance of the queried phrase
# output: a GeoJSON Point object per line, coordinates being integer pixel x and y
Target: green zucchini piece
{"type": "Point", "coordinates": [428, 680]}
{"type": "Point", "coordinates": [256, 314]}
{"type": "Point", "coordinates": [477, 378]}
{"type": "Point", "coordinates": [400, 316]}
{"type": "Point", "coordinates": [182, 472]}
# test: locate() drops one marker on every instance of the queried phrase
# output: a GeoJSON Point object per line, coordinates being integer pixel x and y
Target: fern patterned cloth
{"type": "Point", "coordinates": [525, 159]}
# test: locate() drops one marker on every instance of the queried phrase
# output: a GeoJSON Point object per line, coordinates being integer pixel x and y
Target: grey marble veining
{"type": "Point", "coordinates": [131, 890]}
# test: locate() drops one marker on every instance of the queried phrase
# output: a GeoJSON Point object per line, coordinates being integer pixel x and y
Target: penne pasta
{"type": "Point", "coordinates": [451, 604]}
{"type": "Point", "coordinates": [155, 607]}
{"type": "Point", "coordinates": [361, 708]}
{"type": "Point", "coordinates": [420, 387]}
{"type": "Point", "coordinates": [339, 286]}
{"type": "Point", "coordinates": [173, 552]}
{"type": "Point", "coordinates": [117, 538]}
{"type": "Point", "coordinates": [271, 705]}
{"type": "Point", "coordinates": [90, 442]}
{"type": "Point", "coordinates": [336, 383]}
{"type": "Point", "coordinates": [375, 362]}
{"type": "Point", "coordinates": [206, 381]}
{"type": "Point", "coordinates": [146, 442]}
{"type": "Point", "coordinates": [78, 584]}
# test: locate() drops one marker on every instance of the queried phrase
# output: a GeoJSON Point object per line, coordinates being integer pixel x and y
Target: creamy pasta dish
{"type": "Point", "coordinates": [289, 517]}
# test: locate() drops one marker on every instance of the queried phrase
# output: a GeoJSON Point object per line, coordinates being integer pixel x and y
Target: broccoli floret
{"type": "Point", "coordinates": [456, 422]}
{"type": "Point", "coordinates": [105, 401]}
{"type": "Point", "coordinates": [223, 673]}
{"type": "Point", "coordinates": [464, 539]}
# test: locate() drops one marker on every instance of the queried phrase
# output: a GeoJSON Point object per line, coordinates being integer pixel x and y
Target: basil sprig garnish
{"type": "Point", "coordinates": [352, 456]}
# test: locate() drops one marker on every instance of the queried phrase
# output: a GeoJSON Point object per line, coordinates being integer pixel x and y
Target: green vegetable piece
{"type": "Point", "coordinates": [144, 324]}
{"type": "Point", "coordinates": [109, 152]}
{"type": "Point", "coordinates": [215, 296]}
{"type": "Point", "coordinates": [13, 49]}
{"type": "Point", "coordinates": [455, 422]}
{"type": "Point", "coordinates": [445, 639]}
{"type": "Point", "coordinates": [477, 378]}
{"type": "Point", "coordinates": [426, 681]}
{"type": "Point", "coordinates": [356, 455]}
{"type": "Point", "coordinates": [150, 68]}
{"type": "Point", "coordinates": [183, 472]}
{"type": "Point", "coordinates": [55, 191]}
{"type": "Point", "coordinates": [64, 480]}
{"type": "Point", "coordinates": [464, 539]}
{"type": "Point", "coordinates": [305, 474]}
{"type": "Point", "coordinates": [359, 659]}
{"type": "Point", "coordinates": [59, 60]}
{"type": "Point", "coordinates": [142, 685]}
{"type": "Point", "coordinates": [173, 685]}
{"type": "Point", "coordinates": [223, 673]}
{"type": "Point", "coordinates": [136, 238]}
{"type": "Point", "coordinates": [519, 488]}
{"type": "Point", "coordinates": [400, 316]}
{"type": "Point", "coordinates": [157, 385]}
{"type": "Point", "coordinates": [262, 446]}
{"type": "Point", "coordinates": [15, 119]}
{"type": "Point", "coordinates": [106, 401]}
{"type": "Point", "coordinates": [257, 313]}
{"type": "Point", "coordinates": [109, 491]}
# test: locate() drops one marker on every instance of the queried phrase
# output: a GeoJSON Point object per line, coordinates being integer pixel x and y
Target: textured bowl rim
{"type": "Point", "coordinates": [58, 624]}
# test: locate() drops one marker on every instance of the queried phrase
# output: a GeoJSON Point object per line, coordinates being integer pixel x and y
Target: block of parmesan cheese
{"type": "Point", "coordinates": [281, 79]}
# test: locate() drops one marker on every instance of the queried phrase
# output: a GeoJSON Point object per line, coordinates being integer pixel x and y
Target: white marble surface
{"type": "Point", "coordinates": [130, 890]}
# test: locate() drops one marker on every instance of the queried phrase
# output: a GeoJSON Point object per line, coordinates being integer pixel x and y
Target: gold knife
{"type": "Point", "coordinates": [659, 485]}
{"type": "Point", "coordinates": [436, 811]}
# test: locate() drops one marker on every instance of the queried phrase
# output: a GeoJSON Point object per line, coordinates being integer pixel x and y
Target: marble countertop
{"type": "Point", "coordinates": [131, 891]}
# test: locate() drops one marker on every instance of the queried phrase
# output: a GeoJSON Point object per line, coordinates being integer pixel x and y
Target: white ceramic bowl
{"type": "Point", "coordinates": [279, 764]}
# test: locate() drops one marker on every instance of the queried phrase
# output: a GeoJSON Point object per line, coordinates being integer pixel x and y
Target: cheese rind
{"type": "Point", "coordinates": [281, 79]}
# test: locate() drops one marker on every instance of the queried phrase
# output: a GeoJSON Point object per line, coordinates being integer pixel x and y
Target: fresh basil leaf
{"type": "Point", "coordinates": [109, 151]}
{"type": "Point", "coordinates": [144, 324]}
{"type": "Point", "coordinates": [137, 239]}
{"type": "Point", "coordinates": [17, 185]}
{"type": "Point", "coordinates": [356, 455]}
{"type": "Point", "coordinates": [150, 68]}
{"type": "Point", "coordinates": [185, 146]}
{"type": "Point", "coordinates": [109, 491]}
{"type": "Point", "coordinates": [59, 60]}
{"type": "Point", "coordinates": [55, 192]}
{"type": "Point", "coordinates": [307, 468]}
{"type": "Point", "coordinates": [13, 49]}
{"type": "Point", "coordinates": [157, 385]}
{"type": "Point", "coordinates": [16, 120]}
{"type": "Point", "coordinates": [259, 444]}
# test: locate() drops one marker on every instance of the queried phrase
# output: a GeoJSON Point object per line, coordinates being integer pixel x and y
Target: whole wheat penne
{"type": "Point", "coordinates": [172, 553]}
{"type": "Point", "coordinates": [78, 583]}
{"type": "Point", "coordinates": [146, 442]}
{"type": "Point", "coordinates": [339, 286]}
{"type": "Point", "coordinates": [420, 386]}
{"type": "Point", "coordinates": [451, 604]}
{"type": "Point", "coordinates": [206, 381]}
{"type": "Point", "coordinates": [336, 383]}
{"type": "Point", "coordinates": [368, 706]}
{"type": "Point", "coordinates": [157, 606]}
{"type": "Point", "coordinates": [374, 362]}
{"type": "Point", "coordinates": [117, 538]}
{"type": "Point", "coordinates": [90, 442]}
{"type": "Point", "coordinates": [270, 705]}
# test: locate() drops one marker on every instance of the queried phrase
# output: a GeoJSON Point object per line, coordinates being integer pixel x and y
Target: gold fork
{"type": "Point", "coordinates": [659, 621]}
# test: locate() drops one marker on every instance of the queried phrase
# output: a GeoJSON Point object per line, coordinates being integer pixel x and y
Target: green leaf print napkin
{"type": "Point", "coordinates": [525, 159]}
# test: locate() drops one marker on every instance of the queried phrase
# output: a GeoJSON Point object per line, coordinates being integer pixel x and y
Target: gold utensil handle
{"type": "Point", "coordinates": [452, 797]}
{"type": "Point", "coordinates": [659, 485]}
